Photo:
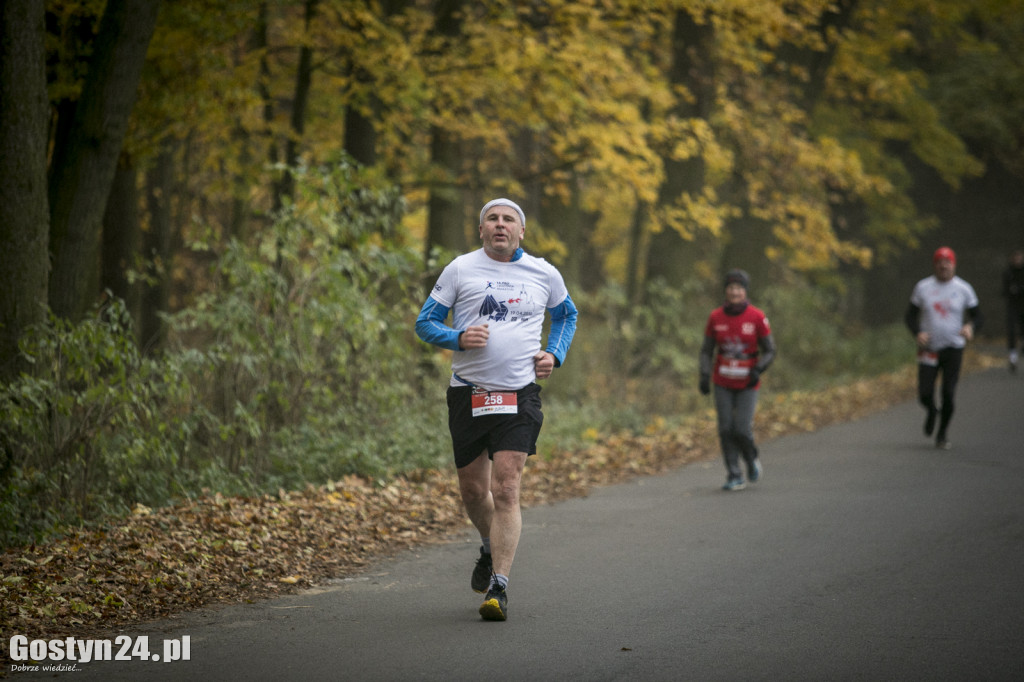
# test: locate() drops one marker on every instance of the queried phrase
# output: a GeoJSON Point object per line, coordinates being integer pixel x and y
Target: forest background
{"type": "Point", "coordinates": [219, 219]}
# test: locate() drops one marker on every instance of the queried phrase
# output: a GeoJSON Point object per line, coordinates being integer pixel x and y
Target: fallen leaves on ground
{"type": "Point", "coordinates": [158, 562]}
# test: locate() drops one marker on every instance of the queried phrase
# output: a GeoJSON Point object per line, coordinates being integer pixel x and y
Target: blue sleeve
{"type": "Point", "coordinates": [563, 328]}
{"type": "Point", "coordinates": [431, 328]}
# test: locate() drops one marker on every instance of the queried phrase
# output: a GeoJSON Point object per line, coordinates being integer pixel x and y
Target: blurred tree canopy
{"type": "Point", "coordinates": [648, 140]}
{"type": "Point", "coordinates": [218, 218]}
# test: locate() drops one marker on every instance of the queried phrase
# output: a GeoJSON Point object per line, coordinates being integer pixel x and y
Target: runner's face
{"type": "Point", "coordinates": [735, 293]}
{"type": "Point", "coordinates": [501, 232]}
{"type": "Point", "coordinates": [944, 269]}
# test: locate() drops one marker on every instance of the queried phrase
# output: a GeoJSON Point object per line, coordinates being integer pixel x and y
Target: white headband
{"type": "Point", "coordinates": [503, 202]}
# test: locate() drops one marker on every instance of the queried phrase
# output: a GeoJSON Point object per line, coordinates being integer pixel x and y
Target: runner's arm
{"type": "Point", "coordinates": [767, 346]}
{"type": "Point", "coordinates": [705, 360]}
{"type": "Point", "coordinates": [563, 328]}
{"type": "Point", "coordinates": [912, 318]}
{"type": "Point", "coordinates": [974, 316]}
{"type": "Point", "coordinates": [431, 328]}
{"type": "Point", "coordinates": [707, 355]}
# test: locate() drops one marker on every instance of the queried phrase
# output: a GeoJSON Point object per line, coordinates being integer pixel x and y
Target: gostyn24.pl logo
{"type": "Point", "coordinates": [41, 654]}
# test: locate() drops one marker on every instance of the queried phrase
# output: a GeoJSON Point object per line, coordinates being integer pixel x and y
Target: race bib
{"type": "Point", "coordinates": [927, 357]}
{"type": "Point", "coordinates": [494, 402]}
{"type": "Point", "coordinates": [734, 370]}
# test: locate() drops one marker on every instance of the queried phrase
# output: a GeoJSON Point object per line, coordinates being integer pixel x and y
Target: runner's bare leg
{"type": "Point", "coordinates": [507, 519]}
{"type": "Point", "coordinates": [475, 488]}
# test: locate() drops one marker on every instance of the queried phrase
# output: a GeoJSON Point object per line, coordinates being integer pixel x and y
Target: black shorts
{"type": "Point", "coordinates": [471, 436]}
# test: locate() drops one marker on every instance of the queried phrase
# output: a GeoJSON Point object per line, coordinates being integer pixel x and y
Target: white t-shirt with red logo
{"type": "Point", "coordinates": [736, 338]}
{"type": "Point", "coordinates": [511, 299]}
{"type": "Point", "coordinates": [943, 305]}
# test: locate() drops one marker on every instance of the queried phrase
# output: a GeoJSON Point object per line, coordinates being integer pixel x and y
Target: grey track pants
{"type": "Point", "coordinates": [736, 426]}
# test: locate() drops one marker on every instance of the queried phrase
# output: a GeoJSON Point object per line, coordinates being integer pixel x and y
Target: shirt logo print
{"type": "Point", "coordinates": [493, 310]}
{"type": "Point", "coordinates": [733, 347]}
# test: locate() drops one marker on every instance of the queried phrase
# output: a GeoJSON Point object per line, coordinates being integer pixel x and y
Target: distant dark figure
{"type": "Point", "coordinates": [1013, 291]}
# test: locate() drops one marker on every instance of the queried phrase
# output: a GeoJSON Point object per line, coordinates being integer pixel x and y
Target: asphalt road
{"type": "Point", "coordinates": [864, 554]}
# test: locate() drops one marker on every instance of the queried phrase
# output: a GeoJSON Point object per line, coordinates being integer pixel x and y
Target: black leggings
{"type": "Point", "coordinates": [1014, 322]}
{"type": "Point", "coordinates": [949, 363]}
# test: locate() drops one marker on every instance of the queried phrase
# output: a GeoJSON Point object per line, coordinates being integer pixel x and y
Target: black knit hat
{"type": "Point", "coordinates": [739, 277]}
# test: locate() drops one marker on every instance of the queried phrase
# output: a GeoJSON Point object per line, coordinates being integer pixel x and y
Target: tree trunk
{"type": "Point", "coordinates": [240, 185]}
{"type": "Point", "coordinates": [745, 248]}
{"type": "Point", "coordinates": [24, 213]}
{"type": "Point", "coordinates": [835, 19]}
{"type": "Point", "coordinates": [300, 102]}
{"type": "Point", "coordinates": [83, 170]}
{"type": "Point", "coordinates": [528, 148]}
{"type": "Point", "coordinates": [582, 266]}
{"type": "Point", "coordinates": [121, 237]}
{"type": "Point", "coordinates": [360, 137]}
{"type": "Point", "coordinates": [564, 220]}
{"type": "Point", "coordinates": [445, 224]}
{"type": "Point", "coordinates": [261, 43]}
{"type": "Point", "coordinates": [360, 134]}
{"type": "Point", "coordinates": [157, 248]}
{"type": "Point", "coordinates": [634, 274]}
{"type": "Point", "coordinates": [668, 257]}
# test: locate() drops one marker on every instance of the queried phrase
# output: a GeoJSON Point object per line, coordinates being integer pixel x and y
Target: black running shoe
{"type": "Point", "coordinates": [495, 606]}
{"type": "Point", "coordinates": [481, 579]}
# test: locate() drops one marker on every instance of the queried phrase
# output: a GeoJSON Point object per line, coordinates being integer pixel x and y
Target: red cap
{"type": "Point", "coordinates": [944, 253]}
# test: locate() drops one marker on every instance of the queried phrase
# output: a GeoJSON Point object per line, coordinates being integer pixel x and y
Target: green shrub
{"type": "Point", "coordinates": [630, 361]}
{"type": "Point", "coordinates": [818, 348]}
{"type": "Point", "coordinates": [84, 433]}
{"type": "Point", "coordinates": [314, 369]}
{"type": "Point", "coordinates": [301, 367]}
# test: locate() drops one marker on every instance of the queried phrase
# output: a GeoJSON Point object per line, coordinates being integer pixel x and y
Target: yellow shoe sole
{"type": "Point", "coordinates": [491, 610]}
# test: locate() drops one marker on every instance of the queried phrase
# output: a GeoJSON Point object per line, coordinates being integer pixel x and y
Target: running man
{"type": "Point", "coordinates": [497, 296]}
{"type": "Point", "coordinates": [943, 315]}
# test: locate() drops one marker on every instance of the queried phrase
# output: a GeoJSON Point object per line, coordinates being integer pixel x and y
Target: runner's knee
{"type": "Point", "coordinates": [505, 493]}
